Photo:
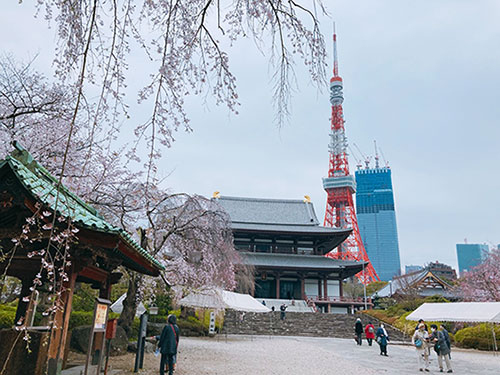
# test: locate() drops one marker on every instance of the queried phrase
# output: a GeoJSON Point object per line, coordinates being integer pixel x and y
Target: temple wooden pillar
{"type": "Point", "coordinates": [341, 289]}
{"type": "Point", "coordinates": [325, 287]}
{"type": "Point", "coordinates": [59, 330]}
{"type": "Point", "coordinates": [303, 287]}
{"type": "Point", "coordinates": [319, 288]}
{"type": "Point", "coordinates": [277, 285]}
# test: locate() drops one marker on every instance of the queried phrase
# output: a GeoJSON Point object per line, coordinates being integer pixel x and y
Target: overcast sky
{"type": "Point", "coordinates": [422, 78]}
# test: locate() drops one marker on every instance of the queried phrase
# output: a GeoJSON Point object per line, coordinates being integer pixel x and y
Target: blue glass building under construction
{"type": "Point", "coordinates": [377, 220]}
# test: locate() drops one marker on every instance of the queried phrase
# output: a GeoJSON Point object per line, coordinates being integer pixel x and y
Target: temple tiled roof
{"type": "Point", "coordinates": [410, 281]}
{"type": "Point", "coordinates": [275, 215]}
{"type": "Point", "coordinates": [43, 186]}
{"type": "Point", "coordinates": [297, 261]}
{"type": "Point", "coordinates": [302, 262]}
{"type": "Point", "coordinates": [269, 211]}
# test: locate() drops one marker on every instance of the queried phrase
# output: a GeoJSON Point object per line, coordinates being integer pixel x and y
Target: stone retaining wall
{"type": "Point", "coordinates": [299, 324]}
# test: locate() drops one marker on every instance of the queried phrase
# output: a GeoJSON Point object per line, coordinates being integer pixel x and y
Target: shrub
{"type": "Point", "coordinates": [191, 327]}
{"type": "Point", "coordinates": [134, 329]}
{"type": "Point", "coordinates": [84, 297]}
{"type": "Point", "coordinates": [177, 313]}
{"type": "Point", "coordinates": [164, 303]}
{"type": "Point", "coordinates": [8, 308]}
{"type": "Point", "coordinates": [477, 337]}
{"type": "Point", "coordinates": [7, 318]}
{"type": "Point", "coordinates": [203, 316]}
{"type": "Point", "coordinates": [158, 318]}
{"type": "Point", "coordinates": [84, 318]}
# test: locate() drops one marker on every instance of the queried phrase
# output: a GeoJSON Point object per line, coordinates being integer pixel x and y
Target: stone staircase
{"type": "Point", "coordinates": [300, 324]}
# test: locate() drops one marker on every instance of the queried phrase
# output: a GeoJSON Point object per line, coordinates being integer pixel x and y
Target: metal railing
{"type": "Point", "coordinates": [319, 299]}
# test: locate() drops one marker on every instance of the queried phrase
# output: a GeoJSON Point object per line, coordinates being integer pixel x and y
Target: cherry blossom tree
{"type": "Point", "coordinates": [482, 283]}
{"type": "Point", "coordinates": [185, 48]}
{"type": "Point", "coordinates": [190, 234]}
{"type": "Point", "coordinates": [184, 44]}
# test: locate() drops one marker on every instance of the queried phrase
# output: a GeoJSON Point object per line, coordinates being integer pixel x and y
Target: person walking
{"type": "Point", "coordinates": [369, 333]}
{"type": "Point", "coordinates": [382, 339]}
{"type": "Point", "coordinates": [446, 337]}
{"type": "Point", "coordinates": [283, 308]}
{"type": "Point", "coordinates": [420, 340]}
{"type": "Point", "coordinates": [441, 347]}
{"type": "Point", "coordinates": [358, 331]}
{"type": "Point", "coordinates": [169, 341]}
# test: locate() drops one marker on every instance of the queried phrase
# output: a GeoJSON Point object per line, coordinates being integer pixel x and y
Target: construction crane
{"type": "Point", "coordinates": [358, 162]}
{"type": "Point", "coordinates": [367, 159]}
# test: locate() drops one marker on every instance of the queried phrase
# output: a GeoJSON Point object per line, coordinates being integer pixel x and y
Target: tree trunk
{"type": "Point", "coordinates": [130, 303]}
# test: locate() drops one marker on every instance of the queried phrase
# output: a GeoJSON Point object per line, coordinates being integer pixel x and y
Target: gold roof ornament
{"type": "Point", "coordinates": [216, 195]}
{"type": "Point", "coordinates": [307, 199]}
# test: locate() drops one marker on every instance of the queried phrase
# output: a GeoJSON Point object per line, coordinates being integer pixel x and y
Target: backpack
{"type": "Point", "coordinates": [370, 329]}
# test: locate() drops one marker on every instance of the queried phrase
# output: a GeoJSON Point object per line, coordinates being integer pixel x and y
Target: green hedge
{"type": "Point", "coordinates": [84, 318]}
{"type": "Point", "coordinates": [8, 308]}
{"type": "Point", "coordinates": [7, 318]}
{"type": "Point", "coordinates": [77, 318]}
{"type": "Point", "coordinates": [477, 337]}
{"type": "Point", "coordinates": [191, 325]}
{"type": "Point", "coordinates": [158, 319]}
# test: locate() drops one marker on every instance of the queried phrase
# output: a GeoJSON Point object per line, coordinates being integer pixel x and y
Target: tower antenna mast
{"type": "Point", "coordinates": [340, 185]}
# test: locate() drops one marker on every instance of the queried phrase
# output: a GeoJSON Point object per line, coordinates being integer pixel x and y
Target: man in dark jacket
{"type": "Point", "coordinates": [358, 329]}
{"type": "Point", "coordinates": [283, 308]}
{"type": "Point", "coordinates": [169, 340]}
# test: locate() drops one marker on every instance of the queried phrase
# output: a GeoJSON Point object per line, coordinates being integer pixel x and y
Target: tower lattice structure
{"type": "Point", "coordinates": [340, 184]}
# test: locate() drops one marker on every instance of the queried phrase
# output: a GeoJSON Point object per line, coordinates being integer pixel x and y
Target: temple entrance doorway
{"type": "Point", "coordinates": [290, 289]}
{"type": "Point", "coordinates": [265, 289]}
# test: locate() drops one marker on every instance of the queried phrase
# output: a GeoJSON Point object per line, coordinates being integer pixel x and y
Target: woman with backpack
{"type": "Point", "coordinates": [370, 333]}
{"type": "Point", "coordinates": [382, 339]}
{"type": "Point", "coordinates": [169, 341]}
{"type": "Point", "coordinates": [420, 340]}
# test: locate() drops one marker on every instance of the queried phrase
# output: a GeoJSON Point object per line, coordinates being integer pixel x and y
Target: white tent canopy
{"type": "Point", "coordinates": [117, 306]}
{"type": "Point", "coordinates": [222, 299]}
{"type": "Point", "coordinates": [458, 312]}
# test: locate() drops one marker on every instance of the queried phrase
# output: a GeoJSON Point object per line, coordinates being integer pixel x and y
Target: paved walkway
{"type": "Point", "coordinates": [264, 355]}
{"type": "Point", "coordinates": [402, 359]}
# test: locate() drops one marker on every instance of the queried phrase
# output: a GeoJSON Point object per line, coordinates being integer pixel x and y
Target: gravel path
{"type": "Point", "coordinates": [301, 355]}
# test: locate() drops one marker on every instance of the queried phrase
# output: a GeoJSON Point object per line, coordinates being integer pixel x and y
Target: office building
{"type": "Point", "coordinates": [377, 220]}
{"type": "Point", "coordinates": [470, 255]}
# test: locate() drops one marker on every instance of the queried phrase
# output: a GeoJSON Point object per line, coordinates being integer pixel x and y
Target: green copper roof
{"type": "Point", "coordinates": [43, 186]}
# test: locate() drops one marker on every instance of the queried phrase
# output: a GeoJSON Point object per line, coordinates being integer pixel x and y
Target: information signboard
{"type": "Point", "coordinates": [101, 314]}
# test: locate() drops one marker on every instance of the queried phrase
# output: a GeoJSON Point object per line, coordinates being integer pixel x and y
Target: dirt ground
{"type": "Point", "coordinates": [269, 355]}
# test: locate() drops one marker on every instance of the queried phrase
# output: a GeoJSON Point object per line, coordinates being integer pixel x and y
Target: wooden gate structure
{"type": "Point", "coordinates": [33, 212]}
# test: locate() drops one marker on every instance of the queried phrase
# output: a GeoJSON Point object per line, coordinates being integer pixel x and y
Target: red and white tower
{"type": "Point", "coordinates": [340, 184]}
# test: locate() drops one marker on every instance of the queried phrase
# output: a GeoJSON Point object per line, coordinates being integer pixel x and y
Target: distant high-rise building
{"type": "Point", "coordinates": [470, 255]}
{"type": "Point", "coordinates": [377, 220]}
{"type": "Point", "coordinates": [412, 268]}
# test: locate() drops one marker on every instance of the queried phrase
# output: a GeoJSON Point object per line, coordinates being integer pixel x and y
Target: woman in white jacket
{"type": "Point", "coordinates": [420, 340]}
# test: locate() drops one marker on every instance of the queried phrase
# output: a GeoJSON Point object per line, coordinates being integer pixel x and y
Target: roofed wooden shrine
{"type": "Point", "coordinates": [49, 237]}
